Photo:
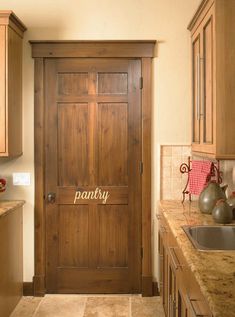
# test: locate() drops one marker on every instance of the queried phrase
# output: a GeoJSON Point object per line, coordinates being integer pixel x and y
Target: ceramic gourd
{"type": "Point", "coordinates": [231, 202]}
{"type": "Point", "coordinates": [210, 195]}
{"type": "Point", "coordinates": [222, 212]}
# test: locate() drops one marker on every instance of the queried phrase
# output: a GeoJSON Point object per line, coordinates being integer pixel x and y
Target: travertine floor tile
{"type": "Point", "coordinates": [107, 307]}
{"type": "Point", "coordinates": [61, 306]}
{"type": "Point", "coordinates": [146, 307]}
{"type": "Point", "coordinates": [26, 307]}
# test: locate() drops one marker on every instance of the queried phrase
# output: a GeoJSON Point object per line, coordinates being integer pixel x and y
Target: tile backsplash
{"type": "Point", "coordinates": [172, 182]}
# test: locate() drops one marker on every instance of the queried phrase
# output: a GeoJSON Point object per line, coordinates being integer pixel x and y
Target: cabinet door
{"type": "Point", "coordinates": [161, 265]}
{"type": "Point", "coordinates": [182, 309]}
{"type": "Point", "coordinates": [2, 90]}
{"type": "Point", "coordinates": [196, 44]}
{"type": "Point", "coordinates": [207, 80]}
{"type": "Point", "coordinates": [165, 281]}
{"type": "Point", "coordinates": [172, 289]}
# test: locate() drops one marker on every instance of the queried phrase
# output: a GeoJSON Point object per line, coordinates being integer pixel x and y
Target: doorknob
{"type": "Point", "coordinates": [51, 198]}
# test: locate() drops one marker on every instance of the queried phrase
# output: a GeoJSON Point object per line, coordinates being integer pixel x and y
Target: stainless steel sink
{"type": "Point", "coordinates": [211, 238]}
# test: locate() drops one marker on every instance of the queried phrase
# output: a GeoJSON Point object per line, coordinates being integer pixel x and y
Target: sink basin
{"type": "Point", "coordinates": [211, 238]}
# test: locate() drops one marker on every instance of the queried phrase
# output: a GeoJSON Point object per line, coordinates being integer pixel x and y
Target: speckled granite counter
{"type": "Point", "coordinates": [9, 205]}
{"type": "Point", "coordinates": [214, 271]}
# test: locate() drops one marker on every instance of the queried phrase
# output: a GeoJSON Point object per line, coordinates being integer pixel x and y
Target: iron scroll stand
{"type": "Point", "coordinates": [185, 168]}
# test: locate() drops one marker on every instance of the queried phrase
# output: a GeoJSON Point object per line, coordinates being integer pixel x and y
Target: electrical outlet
{"type": "Point", "coordinates": [21, 179]}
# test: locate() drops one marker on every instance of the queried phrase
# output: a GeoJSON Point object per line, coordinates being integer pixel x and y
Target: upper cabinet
{"type": "Point", "coordinates": [11, 36]}
{"type": "Point", "coordinates": [213, 79]}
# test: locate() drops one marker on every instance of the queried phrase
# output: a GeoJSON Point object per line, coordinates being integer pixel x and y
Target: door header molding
{"type": "Point", "coordinates": [89, 49]}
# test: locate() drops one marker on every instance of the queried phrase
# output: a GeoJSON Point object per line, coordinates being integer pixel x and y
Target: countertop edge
{"type": "Point", "coordinates": [7, 206]}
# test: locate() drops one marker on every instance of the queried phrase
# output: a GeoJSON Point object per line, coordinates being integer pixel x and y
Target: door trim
{"type": "Point", "coordinates": [144, 50]}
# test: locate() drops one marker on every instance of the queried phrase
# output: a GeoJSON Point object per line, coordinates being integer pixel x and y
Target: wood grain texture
{"type": "Point", "coordinates": [11, 34]}
{"type": "Point", "coordinates": [208, 82]}
{"type": "Point", "coordinates": [14, 76]}
{"type": "Point", "coordinates": [3, 121]}
{"type": "Point", "coordinates": [89, 279]}
{"type": "Point", "coordinates": [88, 49]}
{"type": "Point", "coordinates": [73, 144]}
{"type": "Point", "coordinates": [113, 233]}
{"type": "Point", "coordinates": [73, 238]}
{"type": "Point", "coordinates": [113, 138]}
{"type": "Point", "coordinates": [196, 47]}
{"type": "Point", "coordinates": [146, 177]}
{"type": "Point", "coordinates": [216, 29]}
{"type": "Point", "coordinates": [11, 264]}
{"type": "Point", "coordinates": [104, 139]}
{"type": "Point", "coordinates": [39, 222]}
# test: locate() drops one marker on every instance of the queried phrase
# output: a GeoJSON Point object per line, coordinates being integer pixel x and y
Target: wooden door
{"type": "Point", "coordinates": [92, 173]}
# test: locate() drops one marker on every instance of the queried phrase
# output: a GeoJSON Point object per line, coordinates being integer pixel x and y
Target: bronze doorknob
{"type": "Point", "coordinates": [51, 198]}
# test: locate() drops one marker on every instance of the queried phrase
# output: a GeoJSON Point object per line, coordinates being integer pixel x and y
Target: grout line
{"type": "Point", "coordinates": [130, 312]}
{"type": "Point", "coordinates": [84, 306]}
{"type": "Point", "coordinates": [36, 310]}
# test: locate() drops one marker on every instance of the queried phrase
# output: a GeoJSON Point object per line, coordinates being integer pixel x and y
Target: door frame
{"type": "Point", "coordinates": [41, 50]}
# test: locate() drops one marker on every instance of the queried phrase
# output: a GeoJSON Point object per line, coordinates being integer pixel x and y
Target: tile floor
{"type": "Point", "coordinates": [89, 306]}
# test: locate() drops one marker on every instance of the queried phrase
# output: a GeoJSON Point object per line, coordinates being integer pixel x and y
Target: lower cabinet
{"type": "Point", "coordinates": [181, 295]}
{"type": "Point", "coordinates": [11, 260]}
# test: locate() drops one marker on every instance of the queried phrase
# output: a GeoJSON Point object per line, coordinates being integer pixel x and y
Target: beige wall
{"type": "Point", "coordinates": [163, 20]}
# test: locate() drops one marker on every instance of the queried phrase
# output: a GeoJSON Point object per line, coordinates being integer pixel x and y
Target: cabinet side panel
{"type": "Point", "coordinates": [2, 90]}
{"type": "Point", "coordinates": [14, 92]}
{"type": "Point", "coordinates": [225, 70]}
{"type": "Point", "coordinates": [11, 268]}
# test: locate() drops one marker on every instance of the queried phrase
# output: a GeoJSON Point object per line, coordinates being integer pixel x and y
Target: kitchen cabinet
{"type": "Point", "coordinates": [11, 255]}
{"type": "Point", "coordinates": [213, 67]}
{"type": "Point", "coordinates": [180, 293]}
{"type": "Point", "coordinates": [11, 36]}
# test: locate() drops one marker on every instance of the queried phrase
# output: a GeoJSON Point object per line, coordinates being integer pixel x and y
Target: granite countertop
{"type": "Point", "coordinates": [214, 271]}
{"type": "Point", "coordinates": [9, 205]}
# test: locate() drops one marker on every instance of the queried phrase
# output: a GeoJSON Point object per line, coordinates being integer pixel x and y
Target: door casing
{"type": "Point", "coordinates": [41, 50]}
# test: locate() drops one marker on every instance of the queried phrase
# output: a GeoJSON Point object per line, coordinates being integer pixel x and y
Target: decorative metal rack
{"type": "Point", "coordinates": [185, 168]}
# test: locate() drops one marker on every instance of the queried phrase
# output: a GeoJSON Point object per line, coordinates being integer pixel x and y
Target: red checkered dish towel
{"type": "Point", "coordinates": [198, 176]}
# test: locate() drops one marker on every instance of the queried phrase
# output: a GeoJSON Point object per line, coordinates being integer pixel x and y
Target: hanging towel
{"type": "Point", "coordinates": [199, 176]}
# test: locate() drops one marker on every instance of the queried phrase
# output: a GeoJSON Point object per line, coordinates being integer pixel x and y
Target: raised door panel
{"type": "Point", "coordinates": [113, 233]}
{"type": "Point", "coordinates": [73, 144]}
{"type": "Point", "coordinates": [113, 138]}
{"type": "Point", "coordinates": [207, 94]}
{"type": "Point", "coordinates": [196, 88]}
{"type": "Point", "coordinates": [73, 238]}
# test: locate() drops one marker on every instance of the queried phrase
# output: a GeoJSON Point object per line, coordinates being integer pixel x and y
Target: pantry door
{"type": "Point", "coordinates": [93, 151]}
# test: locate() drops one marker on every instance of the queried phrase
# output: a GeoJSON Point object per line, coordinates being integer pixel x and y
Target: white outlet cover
{"type": "Point", "coordinates": [21, 179]}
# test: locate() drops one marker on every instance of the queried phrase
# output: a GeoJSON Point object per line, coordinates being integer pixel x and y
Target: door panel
{"type": "Point", "coordinates": [196, 89]}
{"type": "Point", "coordinates": [113, 234]}
{"type": "Point", "coordinates": [73, 144]}
{"type": "Point", "coordinates": [113, 138]}
{"type": "Point", "coordinates": [208, 82]}
{"type": "Point", "coordinates": [73, 238]}
{"type": "Point", "coordinates": [93, 151]}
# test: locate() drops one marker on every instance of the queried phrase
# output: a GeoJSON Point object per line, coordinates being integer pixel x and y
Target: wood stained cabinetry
{"type": "Point", "coordinates": [11, 264]}
{"type": "Point", "coordinates": [181, 295]}
{"type": "Point", "coordinates": [11, 35]}
{"type": "Point", "coordinates": [213, 68]}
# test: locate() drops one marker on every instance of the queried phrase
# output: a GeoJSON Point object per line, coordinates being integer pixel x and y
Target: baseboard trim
{"type": "Point", "coordinates": [147, 286]}
{"type": "Point", "coordinates": [39, 285]}
{"type": "Point", "coordinates": [155, 289]}
{"type": "Point", "coordinates": [28, 289]}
